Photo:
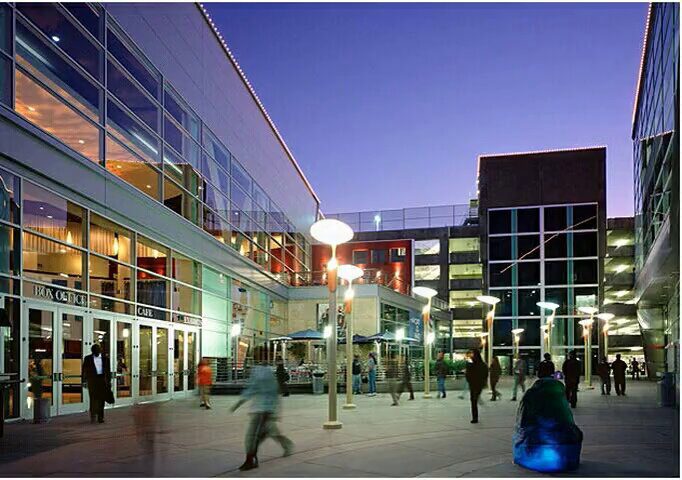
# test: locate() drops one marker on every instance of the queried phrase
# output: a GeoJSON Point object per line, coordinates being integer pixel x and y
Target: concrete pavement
{"type": "Point", "coordinates": [624, 437]}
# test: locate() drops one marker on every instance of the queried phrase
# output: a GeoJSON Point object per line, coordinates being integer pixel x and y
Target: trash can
{"type": "Point", "coordinates": [666, 390]}
{"type": "Point", "coordinates": [318, 383]}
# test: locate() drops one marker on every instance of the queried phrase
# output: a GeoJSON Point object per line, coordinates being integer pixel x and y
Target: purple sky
{"type": "Point", "coordinates": [389, 105]}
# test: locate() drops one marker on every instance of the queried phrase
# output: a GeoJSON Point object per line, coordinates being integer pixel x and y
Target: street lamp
{"type": "Point", "coordinates": [550, 320]}
{"type": "Point", "coordinates": [235, 331]}
{"type": "Point", "coordinates": [349, 273]}
{"type": "Point", "coordinates": [331, 232]}
{"type": "Point", "coordinates": [587, 334]}
{"type": "Point", "coordinates": [399, 337]}
{"type": "Point", "coordinates": [428, 294]}
{"type": "Point", "coordinates": [490, 319]}
{"type": "Point", "coordinates": [606, 318]}
{"type": "Point", "coordinates": [517, 336]}
{"type": "Point", "coordinates": [484, 338]}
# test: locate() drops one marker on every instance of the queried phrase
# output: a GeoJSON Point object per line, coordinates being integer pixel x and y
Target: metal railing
{"type": "Point", "coordinates": [371, 276]}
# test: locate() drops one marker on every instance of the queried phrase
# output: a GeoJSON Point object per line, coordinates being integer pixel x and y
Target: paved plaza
{"type": "Point", "coordinates": [624, 437]}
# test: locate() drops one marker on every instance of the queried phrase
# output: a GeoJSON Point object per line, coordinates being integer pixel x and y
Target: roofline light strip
{"type": "Point", "coordinates": [641, 64]}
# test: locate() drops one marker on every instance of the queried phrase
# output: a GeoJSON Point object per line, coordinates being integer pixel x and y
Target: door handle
{"type": "Point", "coordinates": [55, 377]}
{"type": "Point", "coordinates": [61, 377]}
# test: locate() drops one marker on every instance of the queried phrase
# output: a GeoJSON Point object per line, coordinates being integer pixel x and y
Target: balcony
{"type": "Point", "coordinates": [466, 284]}
{"type": "Point", "coordinates": [371, 276]}
{"type": "Point", "coordinates": [464, 257]}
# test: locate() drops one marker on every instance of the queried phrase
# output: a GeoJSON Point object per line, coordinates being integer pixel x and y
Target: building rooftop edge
{"type": "Point", "coordinates": [254, 95]}
{"type": "Point", "coordinates": [532, 152]}
{"type": "Point", "coordinates": [642, 61]}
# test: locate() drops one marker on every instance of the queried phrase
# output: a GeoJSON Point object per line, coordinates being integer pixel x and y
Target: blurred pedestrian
{"type": "Point", "coordinates": [519, 377]}
{"type": "Point", "coordinates": [96, 376]}
{"type": "Point", "coordinates": [392, 377]}
{"type": "Point", "coordinates": [262, 390]}
{"type": "Point", "coordinates": [441, 373]}
{"type": "Point", "coordinates": [357, 375]}
{"type": "Point", "coordinates": [495, 373]}
{"type": "Point", "coordinates": [465, 388]}
{"type": "Point", "coordinates": [406, 383]}
{"type": "Point", "coordinates": [604, 372]}
{"type": "Point", "coordinates": [635, 369]}
{"type": "Point", "coordinates": [282, 377]}
{"type": "Point", "coordinates": [619, 367]}
{"type": "Point", "coordinates": [204, 381]}
{"type": "Point", "coordinates": [476, 375]}
{"type": "Point", "coordinates": [571, 370]}
{"type": "Point", "coordinates": [372, 374]}
{"type": "Point", "coordinates": [546, 368]}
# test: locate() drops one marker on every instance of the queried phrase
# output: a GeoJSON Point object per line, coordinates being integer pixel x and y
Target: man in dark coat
{"type": "Point", "coordinates": [546, 368]}
{"type": "Point", "coordinates": [635, 369]}
{"type": "Point", "coordinates": [476, 376]}
{"type": "Point", "coordinates": [96, 376]}
{"type": "Point", "coordinates": [604, 372]}
{"type": "Point", "coordinates": [406, 383]}
{"type": "Point", "coordinates": [571, 370]}
{"type": "Point", "coordinates": [619, 367]}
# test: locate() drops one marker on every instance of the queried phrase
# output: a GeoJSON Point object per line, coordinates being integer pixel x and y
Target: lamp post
{"type": "Point", "coordinates": [517, 336]}
{"type": "Point", "coordinates": [235, 331]}
{"type": "Point", "coordinates": [399, 337]}
{"type": "Point", "coordinates": [428, 294]}
{"type": "Point", "coordinates": [331, 232]}
{"type": "Point", "coordinates": [587, 334]}
{"type": "Point", "coordinates": [484, 342]}
{"type": "Point", "coordinates": [551, 306]}
{"type": "Point", "coordinates": [349, 273]}
{"type": "Point", "coordinates": [490, 320]}
{"type": "Point", "coordinates": [606, 318]}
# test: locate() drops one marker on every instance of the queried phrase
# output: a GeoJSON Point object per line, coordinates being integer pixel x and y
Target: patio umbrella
{"type": "Point", "coordinates": [308, 334]}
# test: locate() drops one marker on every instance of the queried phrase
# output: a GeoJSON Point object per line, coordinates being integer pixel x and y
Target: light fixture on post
{"type": "Point", "coordinates": [587, 335]}
{"type": "Point", "coordinates": [551, 306]}
{"type": "Point", "coordinates": [331, 232]}
{"type": "Point", "coordinates": [606, 318]}
{"type": "Point", "coordinates": [349, 273]}
{"type": "Point", "coordinates": [490, 320]}
{"type": "Point", "coordinates": [235, 331]}
{"type": "Point", "coordinates": [484, 341]}
{"type": "Point", "coordinates": [428, 294]}
{"type": "Point", "coordinates": [517, 336]}
{"type": "Point", "coordinates": [399, 337]}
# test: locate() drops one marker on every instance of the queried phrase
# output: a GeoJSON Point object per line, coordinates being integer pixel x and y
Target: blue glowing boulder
{"type": "Point", "coordinates": [546, 438]}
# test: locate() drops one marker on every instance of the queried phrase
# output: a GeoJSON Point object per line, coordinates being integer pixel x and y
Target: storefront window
{"type": "Point", "coordinates": [186, 270]}
{"type": "Point", "coordinates": [186, 299]}
{"type": "Point", "coordinates": [52, 215]}
{"type": "Point", "coordinates": [110, 239]}
{"type": "Point", "coordinates": [152, 289]}
{"type": "Point", "coordinates": [110, 278]}
{"type": "Point", "coordinates": [152, 256]}
{"type": "Point", "coordinates": [52, 262]}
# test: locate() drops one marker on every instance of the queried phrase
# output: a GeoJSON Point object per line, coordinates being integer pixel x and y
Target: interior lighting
{"type": "Point", "coordinates": [55, 38]}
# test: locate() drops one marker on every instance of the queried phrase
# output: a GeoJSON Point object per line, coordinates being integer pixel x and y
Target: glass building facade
{"type": "Point", "coordinates": [655, 135]}
{"type": "Point", "coordinates": [126, 218]}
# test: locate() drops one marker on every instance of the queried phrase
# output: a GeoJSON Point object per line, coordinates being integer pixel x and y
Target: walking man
{"type": "Point", "coordinates": [263, 392]}
{"type": "Point", "coordinates": [571, 370]}
{"type": "Point", "coordinates": [96, 376]}
{"type": "Point", "coordinates": [406, 383]}
{"type": "Point", "coordinates": [635, 369]}
{"type": "Point", "coordinates": [604, 371]}
{"type": "Point", "coordinates": [546, 368]}
{"type": "Point", "coordinates": [441, 373]}
{"type": "Point", "coordinates": [357, 372]}
{"type": "Point", "coordinates": [476, 375]}
{"type": "Point", "coordinates": [619, 368]}
{"type": "Point", "coordinates": [519, 377]}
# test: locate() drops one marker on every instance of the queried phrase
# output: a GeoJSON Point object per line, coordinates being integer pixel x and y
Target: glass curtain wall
{"type": "Point", "coordinates": [149, 137]}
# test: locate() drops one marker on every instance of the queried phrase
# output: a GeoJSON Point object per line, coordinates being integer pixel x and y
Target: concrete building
{"type": "Point", "coordinates": [655, 136]}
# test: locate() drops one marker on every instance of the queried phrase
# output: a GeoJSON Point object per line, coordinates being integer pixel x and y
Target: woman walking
{"type": "Point", "coordinates": [495, 373]}
{"type": "Point", "coordinates": [372, 374]}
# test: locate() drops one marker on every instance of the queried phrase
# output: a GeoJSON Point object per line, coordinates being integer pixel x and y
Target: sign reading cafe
{"type": "Point", "coordinates": [58, 295]}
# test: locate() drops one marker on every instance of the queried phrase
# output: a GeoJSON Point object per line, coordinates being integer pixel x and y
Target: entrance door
{"type": "Point", "coordinates": [153, 379]}
{"type": "Point", "coordinates": [114, 334]}
{"type": "Point", "coordinates": [185, 352]}
{"type": "Point", "coordinates": [57, 340]}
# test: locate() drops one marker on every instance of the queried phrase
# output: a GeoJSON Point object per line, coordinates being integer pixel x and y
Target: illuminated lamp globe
{"type": "Point", "coordinates": [425, 292]}
{"type": "Point", "coordinates": [327, 331]}
{"type": "Point", "coordinates": [350, 272]}
{"type": "Point", "coordinates": [400, 335]}
{"type": "Point", "coordinates": [588, 310]}
{"type": "Point", "coordinates": [518, 331]}
{"type": "Point", "coordinates": [586, 323]}
{"type": "Point", "coordinates": [236, 329]}
{"type": "Point", "coordinates": [605, 316]}
{"type": "Point", "coordinates": [331, 231]}
{"type": "Point", "coordinates": [548, 305]}
{"type": "Point", "coordinates": [488, 299]}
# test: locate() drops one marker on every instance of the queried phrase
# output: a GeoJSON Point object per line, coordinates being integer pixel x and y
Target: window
{"type": "Point", "coordinates": [528, 302]}
{"type": "Point", "coordinates": [6, 29]}
{"type": "Point", "coordinates": [9, 250]}
{"type": "Point", "coordinates": [132, 133]}
{"type": "Point", "coordinates": [528, 273]}
{"type": "Point", "coordinates": [240, 177]}
{"type": "Point", "coordinates": [151, 256]}
{"type": "Point", "coordinates": [585, 217]}
{"type": "Point", "coordinates": [141, 72]}
{"type": "Point", "coordinates": [181, 201]}
{"type": "Point", "coordinates": [528, 220]}
{"type": "Point", "coordinates": [132, 169]}
{"type": "Point", "coordinates": [426, 272]}
{"type": "Point", "coordinates": [10, 186]}
{"type": "Point", "coordinates": [398, 254]}
{"type": "Point", "coordinates": [216, 226]}
{"type": "Point", "coordinates": [499, 221]}
{"type": "Point", "coordinates": [464, 245]}
{"type": "Point", "coordinates": [464, 298]}
{"type": "Point", "coordinates": [152, 289]}
{"type": "Point", "coordinates": [556, 246]}
{"type": "Point", "coordinates": [110, 278]}
{"type": "Point", "coordinates": [52, 215]}
{"type": "Point", "coordinates": [132, 97]}
{"type": "Point", "coordinates": [555, 219]}
{"type": "Point", "coordinates": [110, 239]}
{"type": "Point", "coordinates": [52, 262]}
{"type": "Point", "coordinates": [500, 274]}
{"type": "Point", "coordinates": [186, 299]}
{"type": "Point", "coordinates": [5, 79]}
{"type": "Point", "coordinates": [216, 175]}
{"type": "Point", "coordinates": [585, 297]}
{"type": "Point", "coordinates": [86, 16]}
{"type": "Point", "coordinates": [181, 113]}
{"type": "Point", "coordinates": [182, 171]}
{"type": "Point", "coordinates": [378, 256]}
{"type": "Point", "coordinates": [528, 247]}
{"type": "Point", "coordinates": [585, 272]}
{"type": "Point", "coordinates": [556, 273]}
{"type": "Point", "coordinates": [50, 113]}
{"type": "Point", "coordinates": [560, 297]}
{"type": "Point", "coordinates": [585, 244]}
{"type": "Point", "coordinates": [466, 271]}
{"type": "Point", "coordinates": [186, 270]}
{"type": "Point", "coordinates": [504, 307]}
{"type": "Point", "coordinates": [360, 257]}
{"type": "Point", "coordinates": [500, 248]}
{"type": "Point", "coordinates": [216, 150]}
{"type": "Point", "coordinates": [427, 247]}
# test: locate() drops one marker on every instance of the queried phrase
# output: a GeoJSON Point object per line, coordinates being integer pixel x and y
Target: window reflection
{"type": "Point", "coordinates": [132, 169]}
{"type": "Point", "coordinates": [181, 171]}
{"type": "Point", "coordinates": [9, 250]}
{"type": "Point", "coordinates": [52, 215]}
{"type": "Point", "coordinates": [131, 96]}
{"type": "Point", "coordinates": [86, 16]}
{"type": "Point", "coordinates": [52, 262]}
{"type": "Point", "coordinates": [133, 64]}
{"type": "Point", "coordinates": [52, 115]}
{"type": "Point", "coordinates": [110, 278]}
{"type": "Point", "coordinates": [186, 270]}
{"type": "Point", "coordinates": [152, 289]}
{"type": "Point", "coordinates": [109, 239]}
{"type": "Point", "coordinates": [181, 202]}
{"type": "Point", "coordinates": [9, 197]}
{"type": "Point", "coordinates": [132, 133]}
{"type": "Point", "coordinates": [216, 226]}
{"type": "Point", "coordinates": [151, 255]}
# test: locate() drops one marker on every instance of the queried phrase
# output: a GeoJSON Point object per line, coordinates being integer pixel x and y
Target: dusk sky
{"type": "Point", "coordinates": [389, 105]}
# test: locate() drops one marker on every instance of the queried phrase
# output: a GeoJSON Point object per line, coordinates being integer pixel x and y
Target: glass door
{"type": "Point", "coordinates": [191, 359]}
{"type": "Point", "coordinates": [162, 362]}
{"type": "Point", "coordinates": [71, 350]}
{"type": "Point", "coordinates": [179, 361]}
{"type": "Point", "coordinates": [123, 357]}
{"type": "Point", "coordinates": [145, 348]}
{"type": "Point", "coordinates": [40, 358]}
{"type": "Point", "coordinates": [185, 359]}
